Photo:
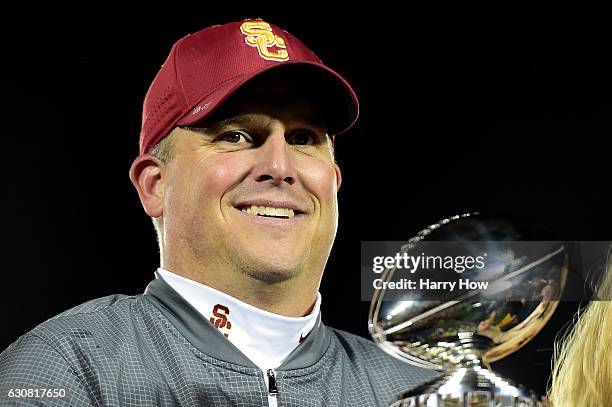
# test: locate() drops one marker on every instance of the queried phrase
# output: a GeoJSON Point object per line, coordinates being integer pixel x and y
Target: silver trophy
{"type": "Point", "coordinates": [461, 332]}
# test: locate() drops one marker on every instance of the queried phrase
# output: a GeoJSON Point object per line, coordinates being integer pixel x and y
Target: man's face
{"type": "Point", "coordinates": [254, 190]}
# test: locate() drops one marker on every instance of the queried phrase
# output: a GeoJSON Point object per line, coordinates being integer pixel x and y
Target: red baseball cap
{"type": "Point", "coordinates": [205, 68]}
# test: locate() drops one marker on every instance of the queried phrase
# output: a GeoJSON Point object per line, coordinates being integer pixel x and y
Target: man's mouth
{"type": "Point", "coordinates": [269, 211]}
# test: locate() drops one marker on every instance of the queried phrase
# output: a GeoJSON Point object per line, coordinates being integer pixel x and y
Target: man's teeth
{"type": "Point", "coordinates": [269, 211]}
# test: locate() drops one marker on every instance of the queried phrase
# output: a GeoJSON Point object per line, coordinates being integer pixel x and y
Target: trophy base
{"type": "Point", "coordinates": [472, 386]}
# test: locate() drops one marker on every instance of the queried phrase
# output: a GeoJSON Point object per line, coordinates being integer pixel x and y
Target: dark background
{"type": "Point", "coordinates": [460, 111]}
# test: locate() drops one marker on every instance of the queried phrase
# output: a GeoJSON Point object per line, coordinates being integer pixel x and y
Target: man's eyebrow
{"type": "Point", "coordinates": [218, 125]}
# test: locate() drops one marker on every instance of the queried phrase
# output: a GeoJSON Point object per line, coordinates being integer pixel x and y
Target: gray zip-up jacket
{"type": "Point", "coordinates": [155, 349]}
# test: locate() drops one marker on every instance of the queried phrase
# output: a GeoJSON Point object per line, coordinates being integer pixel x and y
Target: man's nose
{"type": "Point", "coordinates": [274, 161]}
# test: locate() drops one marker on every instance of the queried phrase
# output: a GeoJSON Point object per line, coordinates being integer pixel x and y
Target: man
{"type": "Point", "coordinates": [237, 171]}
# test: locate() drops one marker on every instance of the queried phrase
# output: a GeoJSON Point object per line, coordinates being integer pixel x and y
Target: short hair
{"type": "Point", "coordinates": [164, 151]}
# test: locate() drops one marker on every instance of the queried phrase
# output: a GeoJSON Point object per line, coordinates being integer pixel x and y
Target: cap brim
{"type": "Point", "coordinates": [345, 106]}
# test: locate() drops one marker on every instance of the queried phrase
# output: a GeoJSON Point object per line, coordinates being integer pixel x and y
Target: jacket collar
{"type": "Point", "coordinates": [208, 340]}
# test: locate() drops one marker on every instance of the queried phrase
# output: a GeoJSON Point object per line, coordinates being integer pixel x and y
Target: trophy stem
{"type": "Point", "coordinates": [469, 386]}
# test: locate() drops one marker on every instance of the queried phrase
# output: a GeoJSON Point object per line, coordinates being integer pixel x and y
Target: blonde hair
{"type": "Point", "coordinates": [582, 371]}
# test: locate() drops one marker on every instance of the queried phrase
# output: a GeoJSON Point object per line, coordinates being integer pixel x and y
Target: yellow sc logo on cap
{"type": "Point", "coordinates": [259, 35]}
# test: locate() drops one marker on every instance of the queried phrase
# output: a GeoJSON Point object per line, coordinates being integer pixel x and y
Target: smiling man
{"type": "Point", "coordinates": [236, 169]}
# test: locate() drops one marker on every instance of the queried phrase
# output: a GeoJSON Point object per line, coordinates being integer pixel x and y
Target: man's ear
{"type": "Point", "coordinates": [147, 175]}
{"type": "Point", "coordinates": [338, 176]}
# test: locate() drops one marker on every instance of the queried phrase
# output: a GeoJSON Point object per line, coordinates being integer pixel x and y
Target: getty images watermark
{"type": "Point", "coordinates": [412, 264]}
{"type": "Point", "coordinates": [498, 270]}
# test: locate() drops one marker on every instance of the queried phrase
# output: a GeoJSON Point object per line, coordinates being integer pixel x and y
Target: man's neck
{"type": "Point", "coordinates": [293, 297]}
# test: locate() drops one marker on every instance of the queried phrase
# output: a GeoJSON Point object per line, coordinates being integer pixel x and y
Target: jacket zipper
{"type": "Point", "coordinates": [272, 390]}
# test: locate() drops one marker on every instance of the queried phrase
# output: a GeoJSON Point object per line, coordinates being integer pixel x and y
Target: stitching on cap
{"type": "Point", "coordinates": [176, 72]}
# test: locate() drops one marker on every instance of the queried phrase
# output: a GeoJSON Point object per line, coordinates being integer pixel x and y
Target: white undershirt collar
{"type": "Point", "coordinates": [264, 337]}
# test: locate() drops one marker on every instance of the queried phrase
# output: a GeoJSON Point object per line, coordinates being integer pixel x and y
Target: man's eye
{"type": "Point", "coordinates": [303, 137]}
{"type": "Point", "coordinates": [234, 136]}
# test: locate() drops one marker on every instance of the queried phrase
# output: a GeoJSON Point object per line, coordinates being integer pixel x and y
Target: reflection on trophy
{"type": "Point", "coordinates": [462, 332]}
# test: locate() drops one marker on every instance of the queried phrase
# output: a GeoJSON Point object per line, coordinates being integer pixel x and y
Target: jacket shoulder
{"type": "Point", "coordinates": [101, 326]}
{"type": "Point", "coordinates": [360, 347]}
{"type": "Point", "coordinates": [31, 363]}
{"type": "Point", "coordinates": [63, 351]}
{"type": "Point", "coordinates": [110, 312]}
{"type": "Point", "coordinates": [366, 353]}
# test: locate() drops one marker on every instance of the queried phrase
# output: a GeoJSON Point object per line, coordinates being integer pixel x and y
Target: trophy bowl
{"type": "Point", "coordinates": [460, 332]}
